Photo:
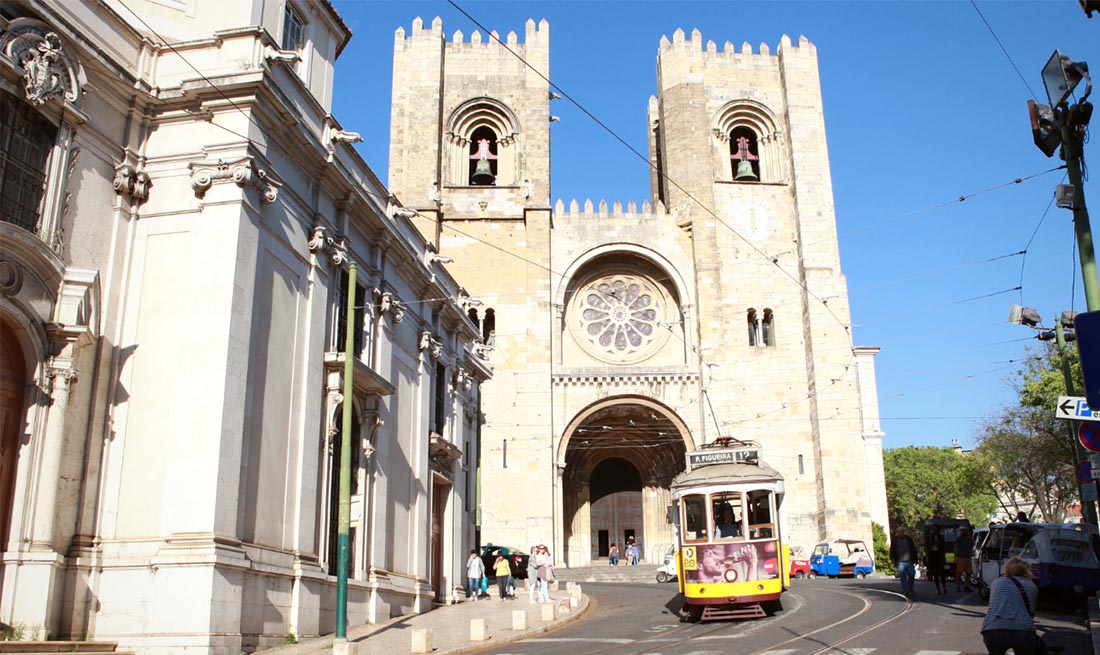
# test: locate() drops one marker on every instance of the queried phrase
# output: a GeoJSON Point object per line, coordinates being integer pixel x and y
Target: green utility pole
{"type": "Point", "coordinates": [1071, 143]}
{"type": "Point", "coordinates": [344, 521]}
{"type": "Point", "coordinates": [1088, 509]}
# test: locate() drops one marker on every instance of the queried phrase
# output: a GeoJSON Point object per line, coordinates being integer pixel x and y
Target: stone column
{"type": "Point", "coordinates": [61, 375]}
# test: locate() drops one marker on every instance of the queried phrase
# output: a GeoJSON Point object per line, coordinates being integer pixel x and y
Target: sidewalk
{"type": "Point", "coordinates": [450, 627]}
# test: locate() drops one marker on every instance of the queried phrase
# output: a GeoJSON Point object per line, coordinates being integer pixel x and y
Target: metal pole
{"type": "Point", "coordinates": [1088, 510]}
{"type": "Point", "coordinates": [344, 512]}
{"type": "Point", "coordinates": [1071, 144]}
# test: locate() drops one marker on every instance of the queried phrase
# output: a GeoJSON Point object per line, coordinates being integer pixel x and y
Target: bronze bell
{"type": "Point", "coordinates": [483, 173]}
{"type": "Point", "coordinates": [744, 172]}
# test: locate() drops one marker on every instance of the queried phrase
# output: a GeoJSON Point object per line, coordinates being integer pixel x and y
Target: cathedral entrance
{"type": "Point", "coordinates": [620, 457]}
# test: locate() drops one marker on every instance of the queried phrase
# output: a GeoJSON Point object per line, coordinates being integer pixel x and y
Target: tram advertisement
{"type": "Point", "coordinates": [732, 562]}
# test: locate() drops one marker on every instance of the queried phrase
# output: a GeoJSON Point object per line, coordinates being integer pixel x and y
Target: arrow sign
{"type": "Point", "coordinates": [1089, 435]}
{"type": "Point", "coordinates": [1084, 471]}
{"type": "Point", "coordinates": [1075, 408]}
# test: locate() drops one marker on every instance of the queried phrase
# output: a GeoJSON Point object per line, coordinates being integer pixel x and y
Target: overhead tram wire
{"type": "Point", "coordinates": [643, 158]}
{"type": "Point", "coordinates": [1003, 49]}
{"type": "Point", "coordinates": [252, 120]}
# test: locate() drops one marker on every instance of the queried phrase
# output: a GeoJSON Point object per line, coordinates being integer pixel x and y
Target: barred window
{"type": "Point", "coordinates": [26, 138]}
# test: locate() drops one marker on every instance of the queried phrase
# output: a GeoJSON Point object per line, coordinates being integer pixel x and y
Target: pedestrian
{"type": "Point", "coordinates": [532, 574]}
{"type": "Point", "coordinates": [475, 570]}
{"type": "Point", "coordinates": [1021, 517]}
{"type": "Point", "coordinates": [935, 558]}
{"type": "Point", "coordinates": [543, 574]}
{"type": "Point", "coordinates": [1009, 622]}
{"type": "Point", "coordinates": [637, 554]}
{"type": "Point", "coordinates": [964, 549]}
{"type": "Point", "coordinates": [613, 555]}
{"type": "Point", "coordinates": [903, 553]}
{"type": "Point", "coordinates": [503, 571]}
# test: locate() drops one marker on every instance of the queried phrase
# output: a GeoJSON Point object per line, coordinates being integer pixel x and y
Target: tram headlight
{"type": "Point", "coordinates": [730, 575]}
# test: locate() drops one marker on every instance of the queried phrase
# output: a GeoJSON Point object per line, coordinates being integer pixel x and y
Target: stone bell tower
{"type": "Point", "coordinates": [470, 151]}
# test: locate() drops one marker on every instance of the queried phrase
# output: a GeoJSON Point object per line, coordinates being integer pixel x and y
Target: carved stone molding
{"type": "Point", "coordinates": [61, 372]}
{"type": "Point", "coordinates": [431, 344]}
{"type": "Point", "coordinates": [387, 304]}
{"type": "Point", "coordinates": [286, 56]}
{"type": "Point", "coordinates": [442, 454]}
{"type": "Point", "coordinates": [335, 246]}
{"type": "Point", "coordinates": [242, 172]}
{"type": "Point", "coordinates": [482, 351]}
{"type": "Point", "coordinates": [49, 70]}
{"type": "Point", "coordinates": [132, 183]}
{"type": "Point", "coordinates": [11, 277]}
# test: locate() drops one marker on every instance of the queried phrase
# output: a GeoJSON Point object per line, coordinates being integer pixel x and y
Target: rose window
{"type": "Point", "coordinates": [620, 316]}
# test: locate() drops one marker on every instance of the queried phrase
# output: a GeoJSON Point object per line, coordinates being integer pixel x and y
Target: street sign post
{"type": "Point", "coordinates": [1089, 436]}
{"type": "Point", "coordinates": [1075, 408]}
{"type": "Point", "coordinates": [1084, 471]}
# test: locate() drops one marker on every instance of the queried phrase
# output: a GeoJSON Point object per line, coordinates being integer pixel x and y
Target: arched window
{"type": "Point", "coordinates": [754, 328]}
{"type": "Point", "coordinates": [748, 144]}
{"type": "Point", "coordinates": [761, 328]}
{"type": "Point", "coordinates": [483, 157]}
{"type": "Point", "coordinates": [744, 155]}
{"type": "Point", "coordinates": [482, 133]}
{"type": "Point", "coordinates": [489, 327]}
{"type": "Point", "coordinates": [767, 330]}
{"type": "Point", "coordinates": [473, 316]}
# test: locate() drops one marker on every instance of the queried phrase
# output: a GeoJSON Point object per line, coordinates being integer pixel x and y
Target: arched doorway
{"type": "Point", "coordinates": [619, 458]}
{"type": "Point", "coordinates": [13, 382]}
{"type": "Point", "coordinates": [615, 494]}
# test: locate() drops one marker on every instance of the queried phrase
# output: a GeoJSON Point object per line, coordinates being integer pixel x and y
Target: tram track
{"type": "Point", "coordinates": [683, 635]}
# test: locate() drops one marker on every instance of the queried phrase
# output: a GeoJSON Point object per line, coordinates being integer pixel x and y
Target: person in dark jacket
{"type": "Point", "coordinates": [935, 558]}
{"type": "Point", "coordinates": [903, 553]}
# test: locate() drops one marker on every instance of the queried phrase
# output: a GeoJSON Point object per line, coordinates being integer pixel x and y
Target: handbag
{"type": "Point", "coordinates": [485, 584]}
{"type": "Point", "coordinates": [1040, 645]}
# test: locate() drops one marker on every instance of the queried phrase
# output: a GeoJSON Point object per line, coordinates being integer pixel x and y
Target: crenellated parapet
{"type": "Point", "coordinates": [575, 210]}
{"type": "Point", "coordinates": [743, 55]}
{"type": "Point", "coordinates": [535, 34]}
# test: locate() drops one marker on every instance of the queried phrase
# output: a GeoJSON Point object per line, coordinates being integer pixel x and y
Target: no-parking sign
{"type": "Point", "coordinates": [1084, 471]}
{"type": "Point", "coordinates": [1089, 436]}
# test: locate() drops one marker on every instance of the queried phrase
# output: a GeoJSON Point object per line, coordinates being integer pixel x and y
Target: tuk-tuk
{"type": "Point", "coordinates": [1004, 541]}
{"type": "Point", "coordinates": [949, 529]}
{"type": "Point", "coordinates": [836, 557]}
{"type": "Point", "coordinates": [1063, 561]}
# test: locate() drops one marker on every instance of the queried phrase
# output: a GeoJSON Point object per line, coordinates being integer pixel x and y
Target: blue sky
{"type": "Point", "coordinates": [922, 107]}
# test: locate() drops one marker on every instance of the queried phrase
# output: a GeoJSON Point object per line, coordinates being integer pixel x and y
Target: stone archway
{"type": "Point", "coordinates": [13, 381]}
{"type": "Point", "coordinates": [618, 458]}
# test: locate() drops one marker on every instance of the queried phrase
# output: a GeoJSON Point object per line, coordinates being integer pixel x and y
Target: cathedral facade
{"type": "Point", "coordinates": [625, 334]}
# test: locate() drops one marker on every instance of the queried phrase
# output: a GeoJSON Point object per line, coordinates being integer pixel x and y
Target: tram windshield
{"type": "Point", "coordinates": [728, 516]}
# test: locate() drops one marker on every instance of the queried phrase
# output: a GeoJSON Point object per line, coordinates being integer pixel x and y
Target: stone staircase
{"type": "Point", "coordinates": [605, 573]}
{"type": "Point", "coordinates": [47, 647]}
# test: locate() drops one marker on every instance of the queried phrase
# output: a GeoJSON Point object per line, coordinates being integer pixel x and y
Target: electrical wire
{"type": "Point", "coordinates": [1003, 49]}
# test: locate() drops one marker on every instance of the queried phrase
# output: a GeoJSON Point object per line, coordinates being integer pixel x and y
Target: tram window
{"type": "Point", "coordinates": [695, 517]}
{"type": "Point", "coordinates": [761, 525]}
{"type": "Point", "coordinates": [728, 509]}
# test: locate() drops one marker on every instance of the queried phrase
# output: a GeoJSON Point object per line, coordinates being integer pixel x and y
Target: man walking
{"type": "Point", "coordinates": [475, 569]}
{"type": "Point", "coordinates": [903, 553]}
{"type": "Point", "coordinates": [964, 547]}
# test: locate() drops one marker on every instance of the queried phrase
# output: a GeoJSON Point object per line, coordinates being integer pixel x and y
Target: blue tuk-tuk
{"type": "Point", "coordinates": [837, 557]}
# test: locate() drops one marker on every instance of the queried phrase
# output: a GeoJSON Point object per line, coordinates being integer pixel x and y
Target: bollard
{"type": "Point", "coordinates": [478, 631]}
{"type": "Point", "coordinates": [574, 601]}
{"type": "Point", "coordinates": [519, 620]}
{"type": "Point", "coordinates": [548, 612]}
{"type": "Point", "coordinates": [421, 640]}
{"type": "Point", "coordinates": [345, 647]}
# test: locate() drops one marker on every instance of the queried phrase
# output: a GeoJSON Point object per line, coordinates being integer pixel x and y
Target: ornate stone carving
{"type": "Point", "coordinates": [618, 318]}
{"type": "Point", "coordinates": [317, 242]}
{"type": "Point", "coordinates": [338, 250]}
{"type": "Point", "coordinates": [48, 69]}
{"type": "Point", "coordinates": [132, 183]}
{"type": "Point", "coordinates": [286, 56]}
{"type": "Point", "coordinates": [431, 344]}
{"type": "Point", "coordinates": [388, 304]}
{"type": "Point", "coordinates": [61, 373]}
{"type": "Point", "coordinates": [482, 351]}
{"type": "Point", "coordinates": [11, 277]}
{"type": "Point", "coordinates": [335, 245]}
{"type": "Point", "coordinates": [242, 172]}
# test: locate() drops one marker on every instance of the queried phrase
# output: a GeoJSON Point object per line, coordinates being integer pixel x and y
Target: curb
{"type": "Point", "coordinates": [1094, 622]}
{"type": "Point", "coordinates": [511, 637]}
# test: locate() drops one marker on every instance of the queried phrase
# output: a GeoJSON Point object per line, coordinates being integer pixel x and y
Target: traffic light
{"type": "Point", "coordinates": [1044, 131]}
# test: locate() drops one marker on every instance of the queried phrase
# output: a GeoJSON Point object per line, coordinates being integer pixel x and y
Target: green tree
{"type": "Point", "coordinates": [1029, 454]}
{"type": "Point", "coordinates": [925, 482]}
{"type": "Point", "coordinates": [882, 550]}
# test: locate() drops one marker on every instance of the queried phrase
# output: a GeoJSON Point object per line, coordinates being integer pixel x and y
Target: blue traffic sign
{"type": "Point", "coordinates": [1084, 471]}
{"type": "Point", "coordinates": [1089, 436]}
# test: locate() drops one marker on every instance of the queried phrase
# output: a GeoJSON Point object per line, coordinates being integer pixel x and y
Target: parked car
{"type": "Point", "coordinates": [836, 557]}
{"type": "Point", "coordinates": [517, 560]}
{"type": "Point", "coordinates": [1005, 540]}
{"type": "Point", "coordinates": [800, 564]}
{"type": "Point", "coordinates": [949, 529]}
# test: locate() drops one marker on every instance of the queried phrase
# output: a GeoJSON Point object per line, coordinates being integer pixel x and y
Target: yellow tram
{"type": "Point", "coordinates": [728, 511]}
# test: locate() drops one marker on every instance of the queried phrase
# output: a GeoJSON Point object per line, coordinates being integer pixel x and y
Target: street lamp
{"type": "Point", "coordinates": [1061, 75]}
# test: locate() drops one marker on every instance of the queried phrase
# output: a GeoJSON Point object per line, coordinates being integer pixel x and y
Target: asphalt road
{"type": "Point", "coordinates": [839, 617]}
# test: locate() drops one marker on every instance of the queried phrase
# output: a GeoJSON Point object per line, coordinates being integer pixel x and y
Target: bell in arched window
{"type": "Point", "coordinates": [744, 163]}
{"type": "Point", "coordinates": [483, 171]}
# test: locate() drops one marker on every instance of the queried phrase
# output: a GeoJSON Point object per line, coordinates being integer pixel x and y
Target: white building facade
{"type": "Point", "coordinates": [179, 212]}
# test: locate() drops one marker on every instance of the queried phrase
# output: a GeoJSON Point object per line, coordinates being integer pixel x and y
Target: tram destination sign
{"type": "Point", "coordinates": [708, 456]}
